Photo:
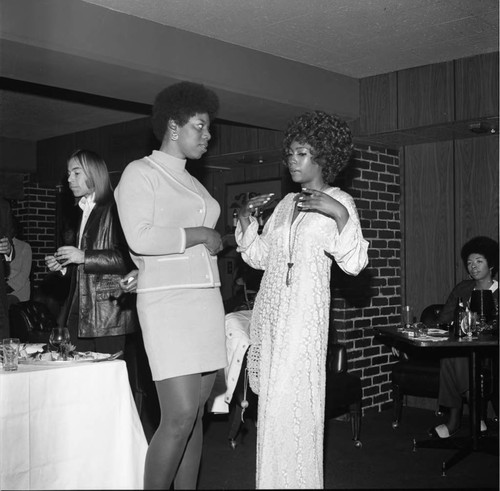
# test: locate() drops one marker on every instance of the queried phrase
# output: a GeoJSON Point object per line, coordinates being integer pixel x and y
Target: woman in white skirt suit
{"type": "Point", "coordinates": [168, 218]}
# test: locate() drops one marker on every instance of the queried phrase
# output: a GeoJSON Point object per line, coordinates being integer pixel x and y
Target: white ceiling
{"type": "Point", "coordinates": [358, 38]}
{"type": "Point", "coordinates": [355, 38]}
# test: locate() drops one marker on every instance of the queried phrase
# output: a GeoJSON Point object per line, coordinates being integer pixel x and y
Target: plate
{"type": "Point", "coordinates": [437, 333]}
{"type": "Point", "coordinates": [91, 357]}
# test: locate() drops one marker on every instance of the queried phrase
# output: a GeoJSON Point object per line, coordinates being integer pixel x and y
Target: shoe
{"type": "Point", "coordinates": [483, 428]}
{"type": "Point", "coordinates": [441, 431]}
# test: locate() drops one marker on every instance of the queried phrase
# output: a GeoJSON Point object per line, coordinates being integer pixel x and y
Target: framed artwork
{"type": "Point", "coordinates": [239, 193]}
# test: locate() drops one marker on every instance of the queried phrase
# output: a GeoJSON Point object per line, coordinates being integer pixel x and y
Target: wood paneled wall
{"type": "Point", "coordinates": [378, 103]}
{"type": "Point", "coordinates": [476, 87]}
{"type": "Point", "coordinates": [426, 95]}
{"type": "Point", "coordinates": [429, 103]}
{"type": "Point", "coordinates": [476, 192]}
{"type": "Point", "coordinates": [118, 144]}
{"type": "Point", "coordinates": [428, 230]}
{"type": "Point", "coordinates": [450, 195]}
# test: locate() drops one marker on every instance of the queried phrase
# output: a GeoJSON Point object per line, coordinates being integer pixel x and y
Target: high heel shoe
{"type": "Point", "coordinates": [441, 431]}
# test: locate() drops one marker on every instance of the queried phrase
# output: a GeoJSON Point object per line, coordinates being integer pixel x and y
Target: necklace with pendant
{"type": "Point", "coordinates": [291, 241]}
{"type": "Point", "coordinates": [291, 244]}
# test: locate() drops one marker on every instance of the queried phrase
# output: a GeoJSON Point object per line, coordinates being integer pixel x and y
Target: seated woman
{"type": "Point", "coordinates": [480, 258]}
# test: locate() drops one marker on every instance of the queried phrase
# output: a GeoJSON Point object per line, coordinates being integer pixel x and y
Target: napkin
{"type": "Point", "coordinates": [31, 348]}
{"type": "Point", "coordinates": [424, 337]}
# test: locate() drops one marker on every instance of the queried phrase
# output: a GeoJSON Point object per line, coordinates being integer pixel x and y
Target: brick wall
{"type": "Point", "coordinates": [374, 297]}
{"type": "Point", "coordinates": [358, 303]}
{"type": "Point", "coordinates": [37, 214]}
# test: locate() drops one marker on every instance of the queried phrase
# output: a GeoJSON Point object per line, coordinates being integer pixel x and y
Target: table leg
{"type": "Point", "coordinates": [465, 446]}
{"type": "Point", "coordinates": [474, 398]}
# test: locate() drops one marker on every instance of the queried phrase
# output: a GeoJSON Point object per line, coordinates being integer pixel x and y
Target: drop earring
{"type": "Point", "coordinates": [174, 136]}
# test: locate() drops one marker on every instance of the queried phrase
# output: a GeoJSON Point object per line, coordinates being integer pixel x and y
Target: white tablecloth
{"type": "Point", "coordinates": [70, 427]}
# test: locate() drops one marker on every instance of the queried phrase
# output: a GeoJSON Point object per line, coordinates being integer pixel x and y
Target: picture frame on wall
{"type": "Point", "coordinates": [238, 193]}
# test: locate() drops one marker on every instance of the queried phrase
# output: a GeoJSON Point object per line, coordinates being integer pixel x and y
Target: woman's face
{"type": "Point", "coordinates": [303, 169]}
{"type": "Point", "coordinates": [77, 179]}
{"type": "Point", "coordinates": [193, 137]}
{"type": "Point", "coordinates": [477, 266]}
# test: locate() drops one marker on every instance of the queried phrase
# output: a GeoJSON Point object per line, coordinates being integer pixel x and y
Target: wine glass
{"type": "Point", "coordinates": [59, 337]}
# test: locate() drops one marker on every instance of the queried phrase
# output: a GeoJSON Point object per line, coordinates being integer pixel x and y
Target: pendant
{"type": "Point", "coordinates": [289, 274]}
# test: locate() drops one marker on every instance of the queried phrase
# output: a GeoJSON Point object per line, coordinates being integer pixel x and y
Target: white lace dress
{"type": "Point", "coordinates": [289, 334]}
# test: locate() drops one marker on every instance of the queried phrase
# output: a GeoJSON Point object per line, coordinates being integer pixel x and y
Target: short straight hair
{"type": "Point", "coordinates": [97, 174]}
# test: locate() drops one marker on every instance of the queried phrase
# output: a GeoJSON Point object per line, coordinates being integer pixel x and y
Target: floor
{"type": "Point", "coordinates": [386, 459]}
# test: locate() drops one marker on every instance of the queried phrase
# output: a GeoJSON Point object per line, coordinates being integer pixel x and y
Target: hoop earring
{"type": "Point", "coordinates": [174, 136]}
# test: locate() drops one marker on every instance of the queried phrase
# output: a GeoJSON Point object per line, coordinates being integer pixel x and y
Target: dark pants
{"type": "Point", "coordinates": [453, 381]}
{"type": "Point", "coordinates": [4, 305]}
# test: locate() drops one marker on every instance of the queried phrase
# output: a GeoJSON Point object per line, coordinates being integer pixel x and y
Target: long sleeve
{"type": "Point", "coordinates": [350, 249]}
{"type": "Point", "coordinates": [20, 269]}
{"type": "Point", "coordinates": [254, 247]}
{"type": "Point", "coordinates": [136, 196]}
{"type": "Point", "coordinates": [105, 247]}
{"type": "Point", "coordinates": [461, 290]}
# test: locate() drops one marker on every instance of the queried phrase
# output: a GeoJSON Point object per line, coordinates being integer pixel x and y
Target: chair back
{"type": "Point", "coordinates": [336, 358]}
{"type": "Point", "coordinates": [430, 314]}
{"type": "Point", "coordinates": [30, 321]}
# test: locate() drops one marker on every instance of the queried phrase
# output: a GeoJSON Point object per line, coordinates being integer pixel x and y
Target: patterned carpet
{"type": "Point", "coordinates": [386, 459]}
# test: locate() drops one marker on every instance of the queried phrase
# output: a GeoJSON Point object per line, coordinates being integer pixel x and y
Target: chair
{"type": "Point", "coordinates": [236, 414]}
{"type": "Point", "coordinates": [343, 394]}
{"type": "Point", "coordinates": [31, 321]}
{"type": "Point", "coordinates": [416, 374]}
{"type": "Point", "coordinates": [343, 390]}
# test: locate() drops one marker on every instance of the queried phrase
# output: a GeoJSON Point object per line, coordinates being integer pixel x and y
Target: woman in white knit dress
{"type": "Point", "coordinates": [289, 327]}
{"type": "Point", "coordinates": [168, 218]}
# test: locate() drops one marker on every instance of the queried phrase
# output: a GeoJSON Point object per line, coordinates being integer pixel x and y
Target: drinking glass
{"type": "Point", "coordinates": [59, 338]}
{"type": "Point", "coordinates": [469, 323]}
{"type": "Point", "coordinates": [10, 354]}
{"type": "Point", "coordinates": [406, 316]}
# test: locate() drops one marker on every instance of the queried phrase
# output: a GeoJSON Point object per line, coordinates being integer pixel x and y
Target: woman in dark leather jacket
{"type": "Point", "coordinates": [97, 311]}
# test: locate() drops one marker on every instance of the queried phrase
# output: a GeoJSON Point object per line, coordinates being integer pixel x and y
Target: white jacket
{"type": "Point", "coordinates": [155, 205]}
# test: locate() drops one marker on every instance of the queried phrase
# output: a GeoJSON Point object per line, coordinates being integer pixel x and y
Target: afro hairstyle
{"type": "Point", "coordinates": [179, 102]}
{"type": "Point", "coordinates": [486, 247]}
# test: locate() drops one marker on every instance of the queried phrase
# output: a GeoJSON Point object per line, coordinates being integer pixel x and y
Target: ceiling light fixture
{"type": "Point", "coordinates": [482, 127]}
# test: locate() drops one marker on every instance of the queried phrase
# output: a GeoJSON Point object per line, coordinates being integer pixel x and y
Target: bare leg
{"type": "Point", "coordinates": [179, 399]}
{"type": "Point", "coordinates": [187, 473]}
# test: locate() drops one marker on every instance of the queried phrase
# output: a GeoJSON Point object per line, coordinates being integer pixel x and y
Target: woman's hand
{"type": "Point", "coordinates": [69, 255]}
{"type": "Point", "coordinates": [129, 282]}
{"type": "Point", "coordinates": [213, 241]}
{"type": "Point", "coordinates": [254, 204]}
{"type": "Point", "coordinates": [5, 246]}
{"type": "Point", "coordinates": [314, 200]}
{"type": "Point", "coordinates": [52, 264]}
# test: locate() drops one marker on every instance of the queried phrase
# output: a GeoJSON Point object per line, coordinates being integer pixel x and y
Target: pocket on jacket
{"type": "Point", "coordinates": [107, 287]}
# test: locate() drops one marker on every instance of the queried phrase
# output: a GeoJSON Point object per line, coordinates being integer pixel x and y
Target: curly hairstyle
{"type": "Point", "coordinates": [329, 137]}
{"type": "Point", "coordinates": [486, 247]}
{"type": "Point", "coordinates": [179, 102]}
